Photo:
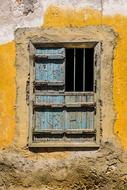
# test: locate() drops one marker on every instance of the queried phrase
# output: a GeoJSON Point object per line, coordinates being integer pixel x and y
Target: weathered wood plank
{"type": "Point", "coordinates": [49, 70]}
{"type": "Point", "coordinates": [90, 115]}
{"type": "Point", "coordinates": [49, 99]}
{"type": "Point", "coordinates": [47, 83]}
{"type": "Point", "coordinates": [71, 105]}
{"type": "Point", "coordinates": [45, 57]}
{"type": "Point", "coordinates": [66, 131]}
{"type": "Point", "coordinates": [50, 51]}
{"type": "Point", "coordinates": [49, 119]}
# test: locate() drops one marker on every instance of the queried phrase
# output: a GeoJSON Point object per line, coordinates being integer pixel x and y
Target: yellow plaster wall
{"type": "Point", "coordinates": [119, 23]}
{"type": "Point", "coordinates": [7, 93]}
{"type": "Point", "coordinates": [58, 17]}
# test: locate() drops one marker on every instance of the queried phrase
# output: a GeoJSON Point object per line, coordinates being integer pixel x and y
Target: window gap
{"type": "Point", "coordinates": [89, 69]}
{"type": "Point", "coordinates": [69, 79]}
{"type": "Point", "coordinates": [79, 70]}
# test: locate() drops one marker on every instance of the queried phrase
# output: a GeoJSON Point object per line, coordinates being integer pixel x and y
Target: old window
{"type": "Point", "coordinates": [63, 94]}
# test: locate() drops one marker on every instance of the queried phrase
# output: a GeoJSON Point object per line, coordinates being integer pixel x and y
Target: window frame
{"type": "Point", "coordinates": [84, 44]}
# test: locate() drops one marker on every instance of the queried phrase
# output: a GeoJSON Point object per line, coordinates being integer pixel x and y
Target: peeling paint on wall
{"type": "Point", "coordinates": [56, 13]}
{"type": "Point", "coordinates": [58, 17]}
{"type": "Point", "coordinates": [13, 17]}
{"type": "Point", "coordinates": [30, 13]}
{"type": "Point", "coordinates": [22, 168]}
{"type": "Point", "coordinates": [29, 6]}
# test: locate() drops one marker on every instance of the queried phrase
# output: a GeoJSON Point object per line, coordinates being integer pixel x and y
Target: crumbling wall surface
{"type": "Point", "coordinates": [102, 169]}
{"type": "Point", "coordinates": [60, 14]}
{"type": "Point", "coordinates": [80, 170]}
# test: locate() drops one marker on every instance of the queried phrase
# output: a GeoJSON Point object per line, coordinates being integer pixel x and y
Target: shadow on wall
{"type": "Point", "coordinates": [40, 150]}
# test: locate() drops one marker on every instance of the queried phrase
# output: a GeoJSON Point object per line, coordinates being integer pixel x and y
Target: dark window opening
{"type": "Point", "coordinates": [69, 81]}
{"type": "Point", "coordinates": [89, 69]}
{"type": "Point", "coordinates": [79, 69]}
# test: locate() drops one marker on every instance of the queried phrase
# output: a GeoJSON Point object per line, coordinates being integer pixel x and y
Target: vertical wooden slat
{"type": "Point", "coordinates": [84, 120]}
{"type": "Point", "coordinates": [90, 115]}
{"type": "Point", "coordinates": [31, 95]}
{"type": "Point", "coordinates": [49, 120]}
{"type": "Point", "coordinates": [97, 79]}
{"type": "Point", "coordinates": [37, 120]}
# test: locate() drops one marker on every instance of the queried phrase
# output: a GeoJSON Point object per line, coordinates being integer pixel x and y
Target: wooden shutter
{"type": "Point", "coordinates": [49, 81]}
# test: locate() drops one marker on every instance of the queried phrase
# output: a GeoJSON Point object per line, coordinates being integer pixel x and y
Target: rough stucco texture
{"type": "Point", "coordinates": [22, 169]}
{"type": "Point", "coordinates": [42, 35]}
{"type": "Point", "coordinates": [7, 93]}
{"type": "Point", "coordinates": [67, 17]}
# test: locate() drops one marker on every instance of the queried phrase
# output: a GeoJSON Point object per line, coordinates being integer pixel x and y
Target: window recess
{"type": "Point", "coordinates": [64, 103]}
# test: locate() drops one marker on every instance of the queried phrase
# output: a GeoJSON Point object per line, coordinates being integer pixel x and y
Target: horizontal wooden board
{"type": "Point", "coordinates": [49, 70]}
{"type": "Point", "coordinates": [49, 119]}
{"type": "Point", "coordinates": [50, 51]}
{"type": "Point", "coordinates": [49, 99]}
{"type": "Point", "coordinates": [63, 119]}
{"type": "Point", "coordinates": [63, 99]}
